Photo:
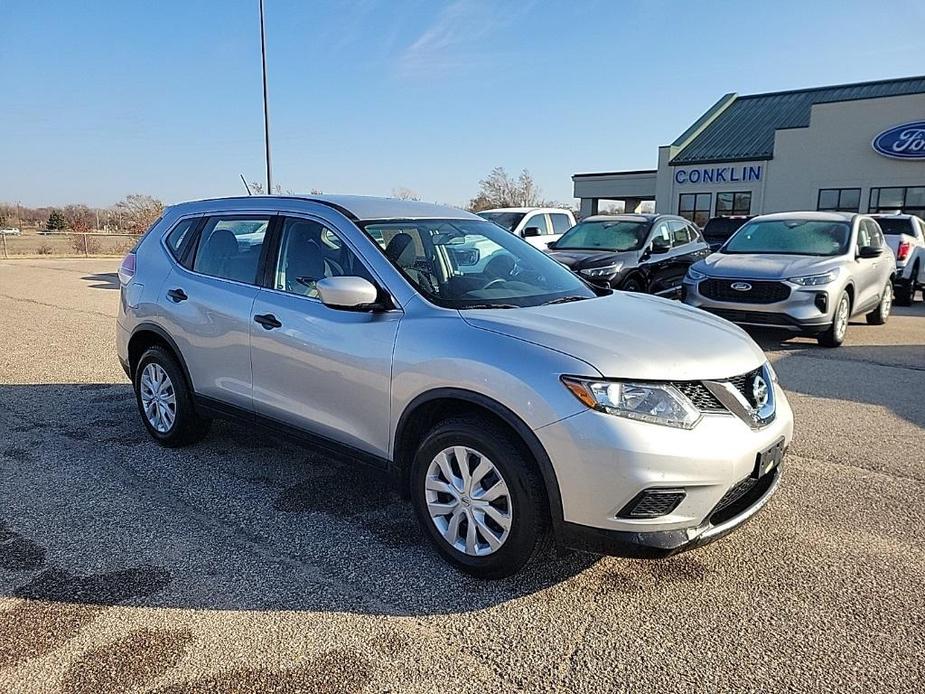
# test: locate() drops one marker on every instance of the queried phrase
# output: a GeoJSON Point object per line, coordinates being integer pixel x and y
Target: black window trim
{"type": "Point", "coordinates": [838, 207]}
{"type": "Point", "coordinates": [695, 210]}
{"type": "Point", "coordinates": [732, 212]}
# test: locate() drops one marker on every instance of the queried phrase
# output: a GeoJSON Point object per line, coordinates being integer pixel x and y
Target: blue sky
{"type": "Point", "coordinates": [101, 98]}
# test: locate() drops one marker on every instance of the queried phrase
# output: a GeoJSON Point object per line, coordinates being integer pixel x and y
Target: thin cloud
{"type": "Point", "coordinates": [459, 38]}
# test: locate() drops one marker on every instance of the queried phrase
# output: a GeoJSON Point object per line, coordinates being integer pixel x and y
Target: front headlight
{"type": "Point", "coordinates": [605, 271]}
{"type": "Point", "coordinates": [694, 275]}
{"type": "Point", "coordinates": [815, 280]}
{"type": "Point", "coordinates": [656, 403]}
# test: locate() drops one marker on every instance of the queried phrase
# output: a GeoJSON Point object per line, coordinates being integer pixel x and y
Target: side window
{"type": "Point", "coordinates": [538, 221]}
{"type": "Point", "coordinates": [308, 252]}
{"type": "Point", "coordinates": [876, 236]}
{"type": "Point", "coordinates": [694, 232]}
{"type": "Point", "coordinates": [179, 236]}
{"type": "Point", "coordinates": [662, 231]}
{"type": "Point", "coordinates": [230, 248]}
{"type": "Point", "coordinates": [864, 236]}
{"type": "Point", "coordinates": [560, 223]}
{"type": "Point", "coordinates": [680, 233]}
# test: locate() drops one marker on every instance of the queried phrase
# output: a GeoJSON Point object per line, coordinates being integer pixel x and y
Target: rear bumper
{"type": "Point", "coordinates": [664, 543]}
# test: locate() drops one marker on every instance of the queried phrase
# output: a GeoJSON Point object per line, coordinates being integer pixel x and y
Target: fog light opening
{"type": "Point", "coordinates": [653, 503]}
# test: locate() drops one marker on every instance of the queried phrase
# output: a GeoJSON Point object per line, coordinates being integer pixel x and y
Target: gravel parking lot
{"type": "Point", "coordinates": [250, 564]}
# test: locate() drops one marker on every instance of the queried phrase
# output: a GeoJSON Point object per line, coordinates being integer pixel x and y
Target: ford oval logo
{"type": "Point", "coordinates": [906, 141]}
{"type": "Point", "coordinates": [741, 286]}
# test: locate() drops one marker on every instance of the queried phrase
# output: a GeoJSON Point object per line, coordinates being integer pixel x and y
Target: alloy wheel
{"type": "Point", "coordinates": [468, 501]}
{"type": "Point", "coordinates": [841, 318]}
{"type": "Point", "coordinates": [158, 398]}
{"type": "Point", "coordinates": [887, 302]}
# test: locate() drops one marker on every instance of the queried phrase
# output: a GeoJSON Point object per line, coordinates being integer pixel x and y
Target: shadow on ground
{"type": "Point", "coordinates": [104, 280]}
{"type": "Point", "coordinates": [95, 514]}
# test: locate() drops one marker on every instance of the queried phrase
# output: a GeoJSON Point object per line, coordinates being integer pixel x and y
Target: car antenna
{"type": "Point", "coordinates": [246, 187]}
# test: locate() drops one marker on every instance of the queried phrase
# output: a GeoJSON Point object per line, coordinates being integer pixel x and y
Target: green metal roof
{"type": "Point", "coordinates": [744, 129]}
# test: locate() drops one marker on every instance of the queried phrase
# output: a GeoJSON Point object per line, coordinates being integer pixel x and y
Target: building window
{"type": "Point", "coordinates": [909, 200]}
{"type": "Point", "coordinates": [733, 204]}
{"type": "Point", "coordinates": [695, 207]}
{"type": "Point", "coordinates": [839, 200]}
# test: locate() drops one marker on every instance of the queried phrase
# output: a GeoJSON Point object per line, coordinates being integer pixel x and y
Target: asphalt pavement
{"type": "Point", "coordinates": [251, 564]}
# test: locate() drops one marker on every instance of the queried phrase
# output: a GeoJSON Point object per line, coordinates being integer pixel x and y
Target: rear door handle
{"type": "Point", "coordinates": [177, 295]}
{"type": "Point", "coordinates": [268, 321]}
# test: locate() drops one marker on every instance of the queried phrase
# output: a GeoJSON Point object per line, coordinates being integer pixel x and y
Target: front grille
{"type": "Point", "coordinates": [742, 496]}
{"type": "Point", "coordinates": [759, 291]}
{"type": "Point", "coordinates": [742, 385]}
{"type": "Point", "coordinates": [698, 394]}
{"type": "Point", "coordinates": [753, 317]}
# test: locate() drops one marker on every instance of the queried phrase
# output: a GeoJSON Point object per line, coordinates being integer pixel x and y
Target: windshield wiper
{"type": "Point", "coordinates": [564, 300]}
{"type": "Point", "coordinates": [463, 308]}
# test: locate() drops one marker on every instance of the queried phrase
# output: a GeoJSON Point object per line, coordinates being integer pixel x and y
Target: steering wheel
{"type": "Point", "coordinates": [495, 281]}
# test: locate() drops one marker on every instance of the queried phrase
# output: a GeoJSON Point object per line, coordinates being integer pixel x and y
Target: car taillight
{"type": "Point", "coordinates": [903, 252]}
{"type": "Point", "coordinates": [127, 268]}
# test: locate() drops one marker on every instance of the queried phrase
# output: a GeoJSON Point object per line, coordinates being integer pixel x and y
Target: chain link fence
{"type": "Point", "coordinates": [65, 244]}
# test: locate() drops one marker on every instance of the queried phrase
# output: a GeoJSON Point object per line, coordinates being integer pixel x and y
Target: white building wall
{"type": "Point", "coordinates": [835, 152]}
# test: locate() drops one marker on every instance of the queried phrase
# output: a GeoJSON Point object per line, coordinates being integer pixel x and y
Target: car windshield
{"type": "Point", "coordinates": [461, 263]}
{"type": "Point", "coordinates": [791, 237]}
{"type": "Point", "coordinates": [605, 235]}
{"type": "Point", "coordinates": [894, 227]}
{"type": "Point", "coordinates": [505, 220]}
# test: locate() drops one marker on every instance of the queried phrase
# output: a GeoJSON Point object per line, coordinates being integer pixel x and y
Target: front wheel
{"type": "Point", "coordinates": [835, 335]}
{"type": "Point", "coordinates": [631, 285]}
{"type": "Point", "coordinates": [879, 315]}
{"type": "Point", "coordinates": [479, 497]}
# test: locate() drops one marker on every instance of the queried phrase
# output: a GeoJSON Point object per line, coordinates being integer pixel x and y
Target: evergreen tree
{"type": "Point", "coordinates": [56, 221]}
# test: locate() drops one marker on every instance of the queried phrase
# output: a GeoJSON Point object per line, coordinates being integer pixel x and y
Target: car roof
{"type": "Point", "coordinates": [892, 215]}
{"type": "Point", "coordinates": [525, 209]}
{"type": "Point", "coordinates": [629, 217]}
{"type": "Point", "coordinates": [356, 207]}
{"type": "Point", "coordinates": [809, 216]}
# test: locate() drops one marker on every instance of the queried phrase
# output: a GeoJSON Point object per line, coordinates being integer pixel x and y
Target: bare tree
{"type": "Point", "coordinates": [136, 213]}
{"type": "Point", "coordinates": [79, 218]}
{"type": "Point", "coordinates": [256, 188]}
{"type": "Point", "coordinates": [403, 193]}
{"type": "Point", "coordinates": [500, 189]}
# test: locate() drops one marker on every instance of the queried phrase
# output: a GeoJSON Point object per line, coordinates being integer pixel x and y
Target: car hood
{"type": "Point", "coordinates": [632, 336]}
{"type": "Point", "coordinates": [579, 259]}
{"type": "Point", "coordinates": [748, 266]}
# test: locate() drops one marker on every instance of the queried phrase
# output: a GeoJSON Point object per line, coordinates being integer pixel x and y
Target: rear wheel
{"type": "Point", "coordinates": [880, 314]}
{"type": "Point", "coordinates": [905, 292]}
{"type": "Point", "coordinates": [835, 335]}
{"type": "Point", "coordinates": [479, 497]}
{"type": "Point", "coordinates": [165, 401]}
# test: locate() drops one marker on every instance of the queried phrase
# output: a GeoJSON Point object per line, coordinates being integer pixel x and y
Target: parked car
{"type": "Point", "coordinates": [632, 252]}
{"type": "Point", "coordinates": [537, 225]}
{"type": "Point", "coordinates": [718, 229]}
{"type": "Point", "coordinates": [808, 272]}
{"type": "Point", "coordinates": [905, 235]}
{"type": "Point", "coordinates": [10, 231]}
{"type": "Point", "coordinates": [509, 402]}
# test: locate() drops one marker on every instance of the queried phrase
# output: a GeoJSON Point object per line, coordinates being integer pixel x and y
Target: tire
{"type": "Point", "coordinates": [524, 506]}
{"type": "Point", "coordinates": [180, 424]}
{"type": "Point", "coordinates": [835, 334]}
{"type": "Point", "coordinates": [880, 314]}
{"type": "Point", "coordinates": [905, 292]}
{"type": "Point", "coordinates": [631, 285]}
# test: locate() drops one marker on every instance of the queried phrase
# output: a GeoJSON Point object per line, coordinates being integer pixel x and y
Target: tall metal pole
{"type": "Point", "coordinates": [266, 106]}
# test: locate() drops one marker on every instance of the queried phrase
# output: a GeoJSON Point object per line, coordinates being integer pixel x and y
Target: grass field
{"type": "Point", "coordinates": [31, 243]}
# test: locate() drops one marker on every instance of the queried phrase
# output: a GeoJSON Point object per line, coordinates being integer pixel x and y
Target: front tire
{"type": "Point", "coordinates": [165, 401]}
{"type": "Point", "coordinates": [835, 335]}
{"type": "Point", "coordinates": [631, 285]}
{"type": "Point", "coordinates": [880, 314]}
{"type": "Point", "coordinates": [479, 497]}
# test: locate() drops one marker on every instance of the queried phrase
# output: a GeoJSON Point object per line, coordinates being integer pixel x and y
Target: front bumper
{"type": "Point", "coordinates": [603, 462]}
{"type": "Point", "coordinates": [807, 309]}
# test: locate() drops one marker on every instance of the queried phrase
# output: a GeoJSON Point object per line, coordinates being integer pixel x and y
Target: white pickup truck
{"type": "Point", "coordinates": [905, 234]}
{"type": "Point", "coordinates": [536, 225]}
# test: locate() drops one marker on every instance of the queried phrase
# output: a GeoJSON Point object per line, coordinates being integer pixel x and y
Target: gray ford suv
{"type": "Point", "coordinates": [807, 272]}
{"type": "Point", "coordinates": [510, 399]}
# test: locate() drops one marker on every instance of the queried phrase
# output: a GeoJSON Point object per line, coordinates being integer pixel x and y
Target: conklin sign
{"type": "Point", "coordinates": [719, 174]}
{"type": "Point", "coordinates": [906, 141]}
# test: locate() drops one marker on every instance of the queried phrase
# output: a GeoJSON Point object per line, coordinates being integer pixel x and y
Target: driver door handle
{"type": "Point", "coordinates": [268, 321]}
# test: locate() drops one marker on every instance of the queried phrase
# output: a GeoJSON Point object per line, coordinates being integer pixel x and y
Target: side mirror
{"type": "Point", "coordinates": [551, 245]}
{"type": "Point", "coordinates": [869, 252]}
{"type": "Point", "coordinates": [531, 231]}
{"type": "Point", "coordinates": [350, 293]}
{"type": "Point", "coordinates": [660, 245]}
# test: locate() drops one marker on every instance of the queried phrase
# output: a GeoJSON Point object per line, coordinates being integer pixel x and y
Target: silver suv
{"type": "Point", "coordinates": [807, 272]}
{"type": "Point", "coordinates": [510, 399]}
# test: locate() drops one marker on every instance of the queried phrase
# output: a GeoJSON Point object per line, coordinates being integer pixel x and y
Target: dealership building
{"type": "Point", "coordinates": [852, 148]}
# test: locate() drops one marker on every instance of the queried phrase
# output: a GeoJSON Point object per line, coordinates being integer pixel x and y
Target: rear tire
{"type": "Point", "coordinates": [880, 314]}
{"type": "Point", "coordinates": [446, 513]}
{"type": "Point", "coordinates": [905, 293]}
{"type": "Point", "coordinates": [835, 334]}
{"type": "Point", "coordinates": [165, 400]}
